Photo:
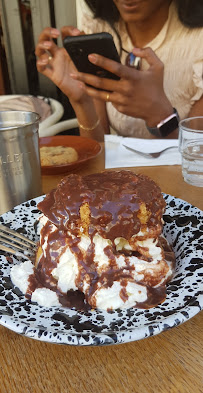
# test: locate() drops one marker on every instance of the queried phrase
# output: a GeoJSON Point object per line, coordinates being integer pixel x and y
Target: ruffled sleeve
{"type": "Point", "coordinates": [198, 80]}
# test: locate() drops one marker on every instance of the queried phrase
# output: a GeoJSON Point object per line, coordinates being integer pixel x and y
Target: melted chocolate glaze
{"type": "Point", "coordinates": [114, 199]}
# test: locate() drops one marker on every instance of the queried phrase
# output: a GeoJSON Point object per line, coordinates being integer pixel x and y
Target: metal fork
{"type": "Point", "coordinates": [15, 243]}
{"type": "Point", "coordinates": [150, 155]}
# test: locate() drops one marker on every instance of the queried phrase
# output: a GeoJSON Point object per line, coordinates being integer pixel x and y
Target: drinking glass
{"type": "Point", "coordinates": [191, 149]}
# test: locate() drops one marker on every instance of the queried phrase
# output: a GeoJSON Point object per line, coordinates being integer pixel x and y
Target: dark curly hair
{"type": "Point", "coordinates": [190, 12]}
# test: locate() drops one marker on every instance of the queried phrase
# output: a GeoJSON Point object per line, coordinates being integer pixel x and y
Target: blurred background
{"type": "Point", "coordinates": [21, 22]}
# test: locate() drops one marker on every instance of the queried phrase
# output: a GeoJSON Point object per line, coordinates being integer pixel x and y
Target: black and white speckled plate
{"type": "Point", "coordinates": [184, 230]}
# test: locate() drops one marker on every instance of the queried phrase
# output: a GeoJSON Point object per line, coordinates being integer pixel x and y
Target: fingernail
{"type": "Point", "coordinates": [92, 58]}
{"type": "Point", "coordinates": [47, 44]}
{"type": "Point", "coordinates": [136, 50]}
{"type": "Point", "coordinates": [55, 32]}
{"type": "Point", "coordinates": [43, 61]}
{"type": "Point", "coordinates": [75, 31]}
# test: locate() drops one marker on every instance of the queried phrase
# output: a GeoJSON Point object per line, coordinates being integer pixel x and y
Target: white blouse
{"type": "Point", "coordinates": [179, 48]}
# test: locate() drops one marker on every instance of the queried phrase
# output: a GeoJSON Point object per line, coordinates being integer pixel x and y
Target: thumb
{"type": "Point", "coordinates": [149, 55]}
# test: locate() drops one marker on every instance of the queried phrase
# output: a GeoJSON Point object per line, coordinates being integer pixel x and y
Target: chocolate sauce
{"type": "Point", "coordinates": [154, 296]}
{"type": "Point", "coordinates": [74, 299]}
{"type": "Point", "coordinates": [114, 200]}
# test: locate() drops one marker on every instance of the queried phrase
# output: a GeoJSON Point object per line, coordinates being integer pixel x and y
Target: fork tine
{"type": "Point", "coordinates": [16, 242]}
{"type": "Point", "coordinates": [20, 245]}
{"type": "Point", "coordinates": [13, 252]}
{"type": "Point", "coordinates": [10, 231]}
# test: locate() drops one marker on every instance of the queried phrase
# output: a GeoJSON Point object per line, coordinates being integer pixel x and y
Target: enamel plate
{"type": "Point", "coordinates": [183, 229]}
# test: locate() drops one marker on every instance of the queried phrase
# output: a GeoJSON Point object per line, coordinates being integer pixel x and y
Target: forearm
{"type": "Point", "coordinates": [161, 111]}
{"type": "Point", "coordinates": [90, 119]}
{"type": "Point", "coordinates": [196, 110]}
{"type": "Point", "coordinates": [165, 109]}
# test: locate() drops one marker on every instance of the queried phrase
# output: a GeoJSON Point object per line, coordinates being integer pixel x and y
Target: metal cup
{"type": "Point", "coordinates": [20, 170]}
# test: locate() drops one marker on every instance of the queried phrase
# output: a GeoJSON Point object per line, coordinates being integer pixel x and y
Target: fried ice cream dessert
{"type": "Point", "coordinates": [101, 244]}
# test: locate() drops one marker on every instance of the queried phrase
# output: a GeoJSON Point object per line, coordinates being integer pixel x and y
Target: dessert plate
{"type": "Point", "coordinates": [86, 148]}
{"type": "Point", "coordinates": [183, 229]}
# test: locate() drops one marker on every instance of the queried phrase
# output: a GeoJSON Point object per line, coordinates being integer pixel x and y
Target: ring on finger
{"type": "Point", "coordinates": [107, 97]}
{"type": "Point", "coordinates": [50, 57]}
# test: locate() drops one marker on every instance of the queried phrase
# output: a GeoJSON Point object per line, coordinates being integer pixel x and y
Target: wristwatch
{"type": "Point", "coordinates": [166, 126]}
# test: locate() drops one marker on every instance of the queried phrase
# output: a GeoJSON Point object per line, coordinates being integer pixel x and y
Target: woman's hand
{"type": "Point", "coordinates": [138, 93]}
{"type": "Point", "coordinates": [55, 63]}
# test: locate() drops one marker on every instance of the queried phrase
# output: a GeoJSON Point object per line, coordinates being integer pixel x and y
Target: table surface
{"type": "Point", "coordinates": [171, 362]}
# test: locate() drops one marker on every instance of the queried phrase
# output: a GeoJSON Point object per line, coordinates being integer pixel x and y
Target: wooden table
{"type": "Point", "coordinates": [171, 362]}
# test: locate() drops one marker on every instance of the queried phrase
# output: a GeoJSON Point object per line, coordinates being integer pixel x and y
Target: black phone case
{"type": "Point", "coordinates": [79, 47]}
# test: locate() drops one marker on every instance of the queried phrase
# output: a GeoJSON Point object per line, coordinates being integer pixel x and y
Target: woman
{"type": "Point", "coordinates": [170, 75]}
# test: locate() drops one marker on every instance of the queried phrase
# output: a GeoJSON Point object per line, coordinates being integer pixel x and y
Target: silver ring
{"type": "Point", "coordinates": [50, 58]}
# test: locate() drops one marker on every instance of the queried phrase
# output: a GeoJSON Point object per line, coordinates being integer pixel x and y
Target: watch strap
{"type": "Point", "coordinates": [166, 126]}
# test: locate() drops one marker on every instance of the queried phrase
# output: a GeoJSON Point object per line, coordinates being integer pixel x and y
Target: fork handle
{"type": "Point", "coordinates": [138, 152]}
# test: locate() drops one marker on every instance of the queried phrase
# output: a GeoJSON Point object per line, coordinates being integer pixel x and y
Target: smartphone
{"type": "Point", "coordinates": [79, 47]}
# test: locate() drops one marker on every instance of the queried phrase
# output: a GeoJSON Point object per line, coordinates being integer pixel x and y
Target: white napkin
{"type": "Point", "coordinates": [117, 156]}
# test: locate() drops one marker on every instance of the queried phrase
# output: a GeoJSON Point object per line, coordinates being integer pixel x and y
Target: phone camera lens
{"type": "Point", "coordinates": [76, 52]}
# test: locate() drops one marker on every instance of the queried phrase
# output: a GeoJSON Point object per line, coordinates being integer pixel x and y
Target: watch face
{"type": "Point", "coordinates": [169, 126]}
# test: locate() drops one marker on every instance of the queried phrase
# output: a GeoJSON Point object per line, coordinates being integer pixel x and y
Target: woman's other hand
{"type": "Point", "coordinates": [55, 63]}
{"type": "Point", "coordinates": [138, 93]}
